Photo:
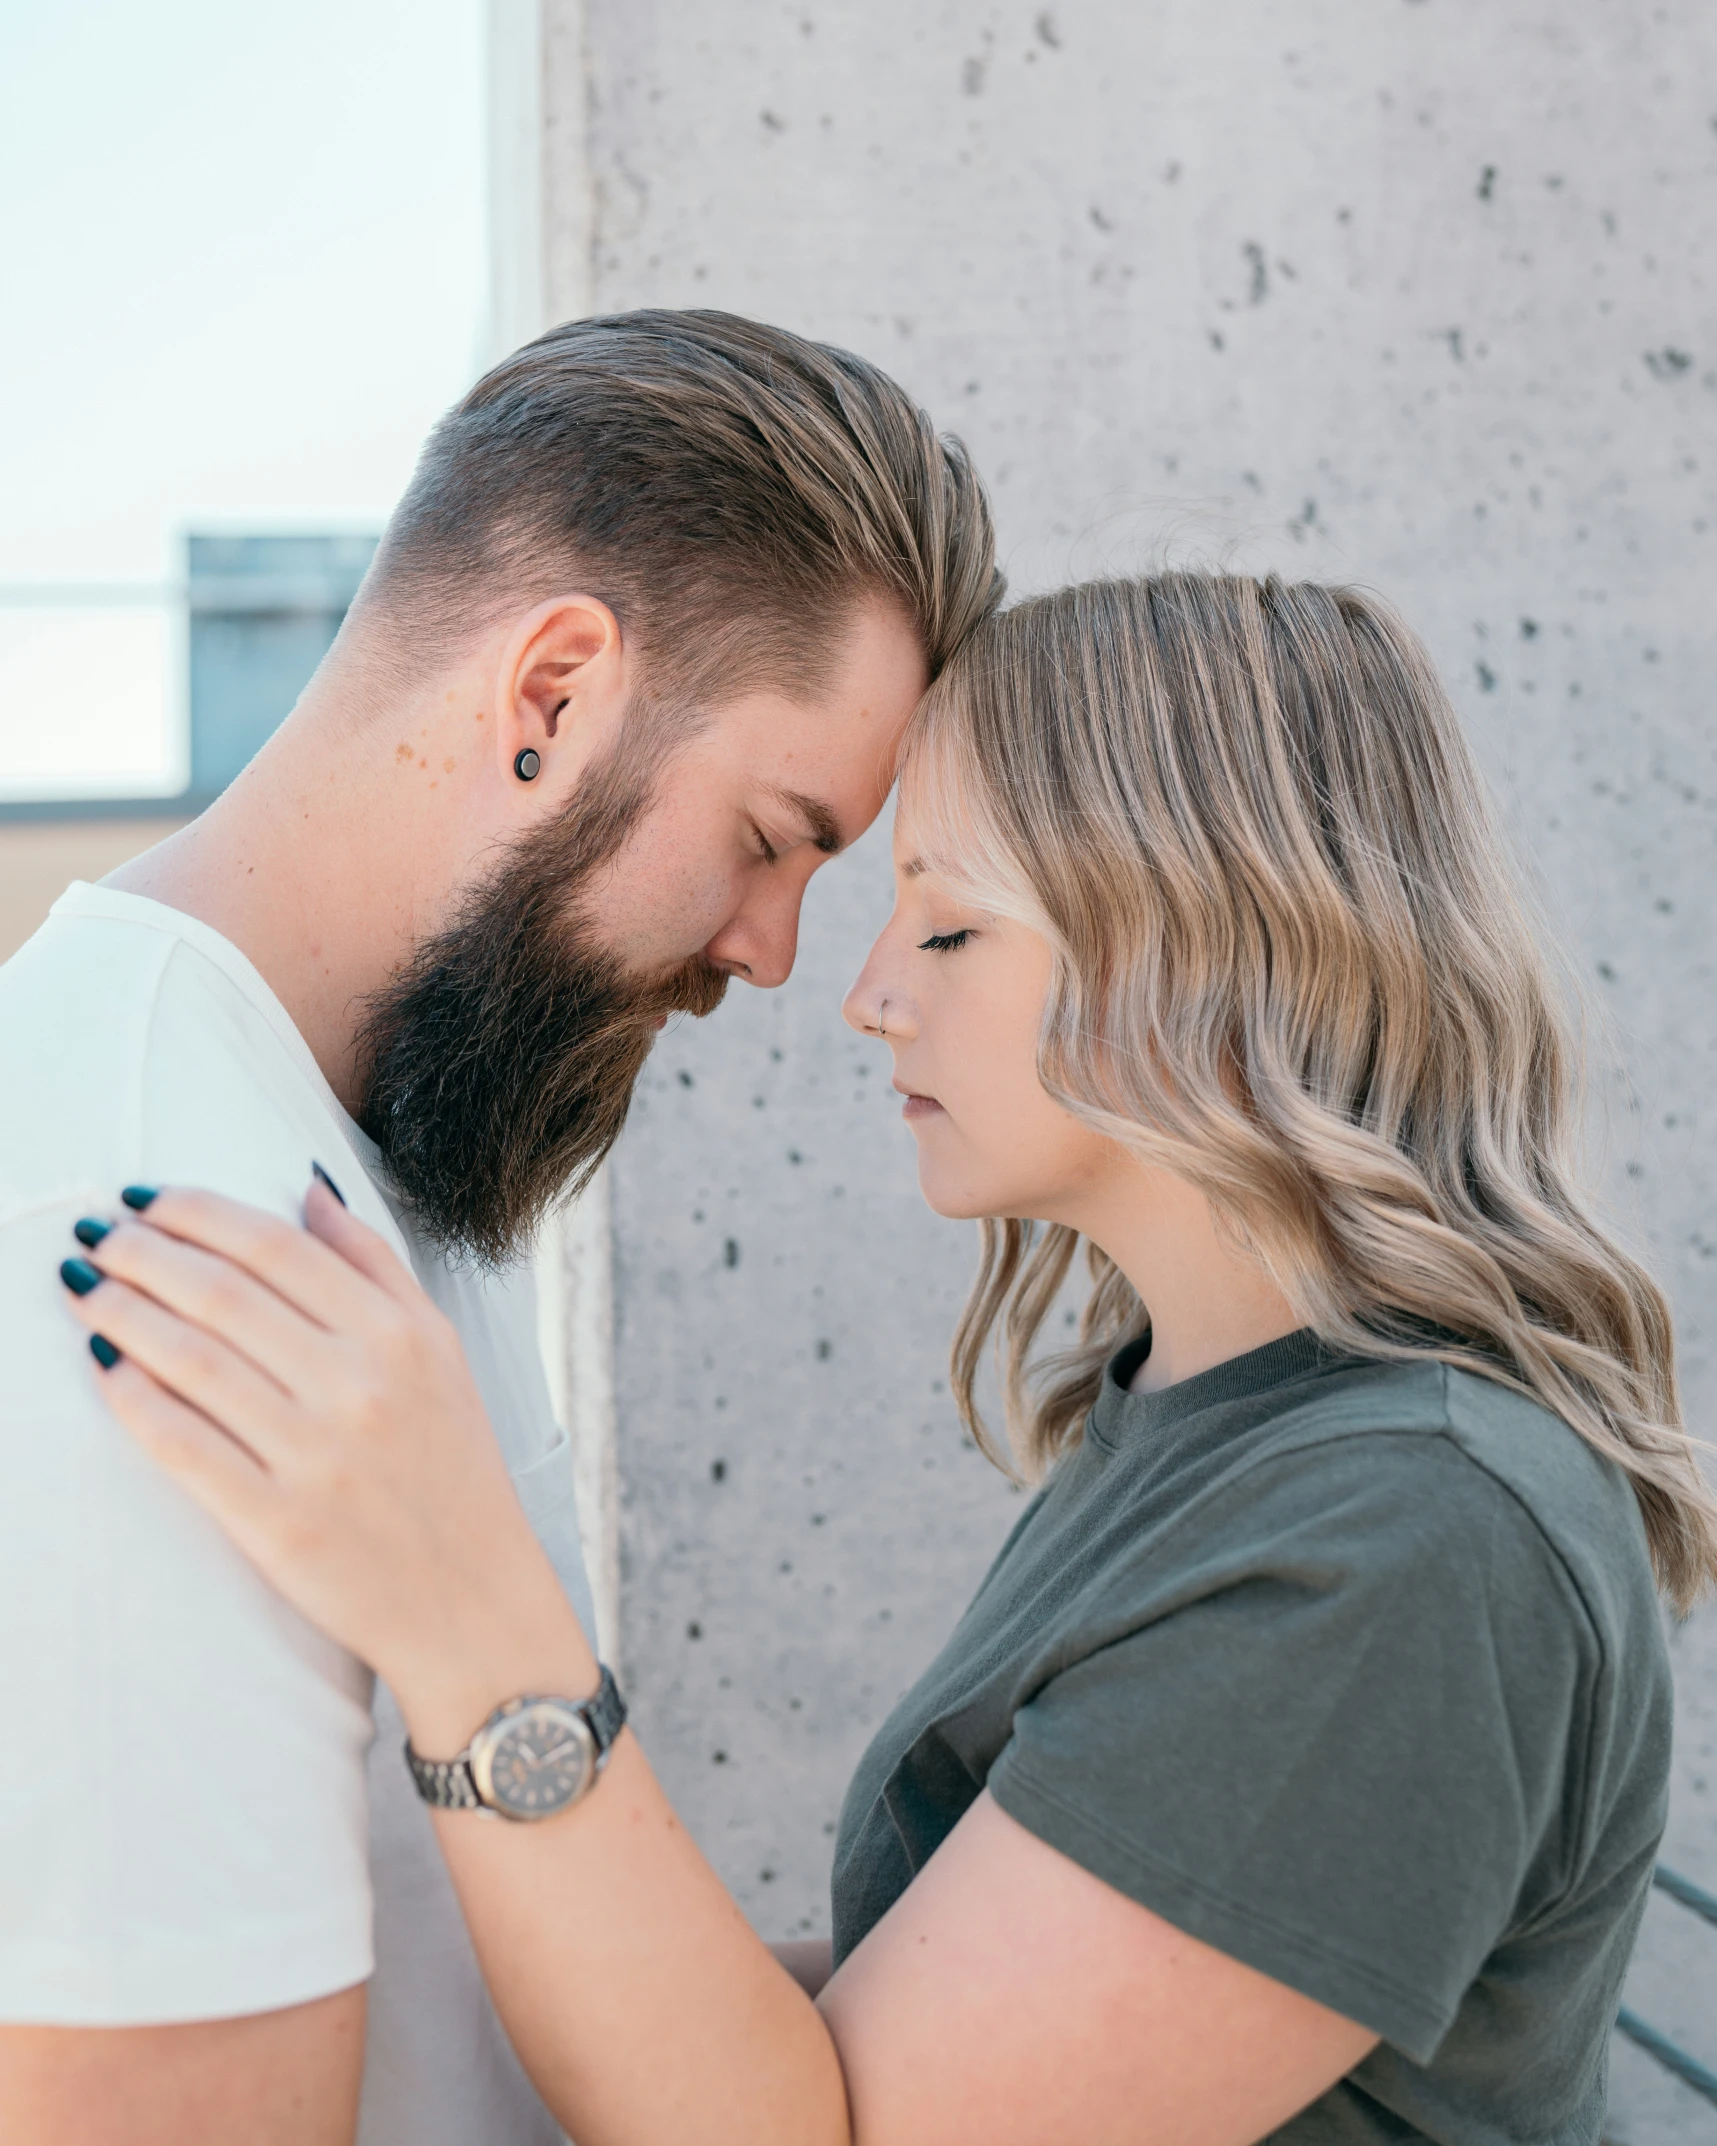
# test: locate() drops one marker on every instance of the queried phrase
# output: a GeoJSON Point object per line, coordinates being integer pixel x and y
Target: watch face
{"type": "Point", "coordinates": [536, 1761]}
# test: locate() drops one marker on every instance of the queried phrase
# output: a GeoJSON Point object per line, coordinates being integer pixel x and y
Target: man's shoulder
{"type": "Point", "coordinates": [76, 995]}
{"type": "Point", "coordinates": [132, 1054]}
{"type": "Point", "coordinates": [77, 1007]}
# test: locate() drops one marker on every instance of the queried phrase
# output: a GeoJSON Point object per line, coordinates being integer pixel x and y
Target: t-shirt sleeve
{"type": "Point", "coordinates": [1331, 1732]}
{"type": "Point", "coordinates": [182, 1803]}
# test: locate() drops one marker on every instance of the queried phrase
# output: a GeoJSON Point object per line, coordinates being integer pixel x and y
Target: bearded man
{"type": "Point", "coordinates": [633, 659]}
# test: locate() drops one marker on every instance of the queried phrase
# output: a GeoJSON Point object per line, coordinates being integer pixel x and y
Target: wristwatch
{"type": "Point", "coordinates": [531, 1758]}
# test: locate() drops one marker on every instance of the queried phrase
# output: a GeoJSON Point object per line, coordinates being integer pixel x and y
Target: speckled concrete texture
{"type": "Point", "coordinates": [1417, 292]}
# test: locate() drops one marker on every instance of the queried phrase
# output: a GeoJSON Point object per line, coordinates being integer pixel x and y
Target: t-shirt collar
{"type": "Point", "coordinates": [1120, 1415]}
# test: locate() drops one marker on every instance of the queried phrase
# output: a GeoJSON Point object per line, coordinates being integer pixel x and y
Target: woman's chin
{"type": "Point", "coordinates": [954, 1198]}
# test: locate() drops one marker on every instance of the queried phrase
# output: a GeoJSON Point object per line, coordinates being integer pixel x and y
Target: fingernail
{"type": "Point", "coordinates": [79, 1276]}
{"type": "Point", "coordinates": [137, 1197]}
{"type": "Point", "coordinates": [329, 1182]}
{"type": "Point", "coordinates": [103, 1351]}
{"type": "Point", "coordinates": [89, 1231]}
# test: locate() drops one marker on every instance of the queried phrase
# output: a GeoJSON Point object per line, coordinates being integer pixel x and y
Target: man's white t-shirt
{"type": "Point", "coordinates": [203, 1806]}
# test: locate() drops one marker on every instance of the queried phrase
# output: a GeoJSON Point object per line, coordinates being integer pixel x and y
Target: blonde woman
{"type": "Point", "coordinates": [1298, 1768]}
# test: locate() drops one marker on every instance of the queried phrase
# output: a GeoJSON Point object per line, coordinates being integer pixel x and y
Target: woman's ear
{"type": "Point", "coordinates": [559, 686]}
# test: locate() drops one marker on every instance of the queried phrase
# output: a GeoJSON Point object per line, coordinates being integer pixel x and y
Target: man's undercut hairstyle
{"type": "Point", "coordinates": [731, 491]}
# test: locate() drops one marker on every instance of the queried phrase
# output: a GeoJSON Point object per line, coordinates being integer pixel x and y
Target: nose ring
{"type": "Point", "coordinates": [880, 1011]}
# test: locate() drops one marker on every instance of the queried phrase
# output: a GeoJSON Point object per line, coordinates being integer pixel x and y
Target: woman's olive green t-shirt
{"type": "Point", "coordinates": [1352, 1670]}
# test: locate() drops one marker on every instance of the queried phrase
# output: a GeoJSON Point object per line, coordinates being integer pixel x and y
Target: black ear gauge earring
{"type": "Point", "coordinates": [527, 765]}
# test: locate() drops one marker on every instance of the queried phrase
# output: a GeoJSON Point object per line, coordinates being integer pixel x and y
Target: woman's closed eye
{"type": "Point", "coordinates": [944, 942]}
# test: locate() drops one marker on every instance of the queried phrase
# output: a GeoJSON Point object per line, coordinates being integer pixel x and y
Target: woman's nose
{"type": "Point", "coordinates": [877, 1005]}
{"type": "Point", "coordinates": [859, 1007]}
{"type": "Point", "coordinates": [862, 1006]}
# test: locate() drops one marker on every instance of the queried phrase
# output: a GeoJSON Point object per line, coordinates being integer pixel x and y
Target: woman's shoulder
{"type": "Point", "coordinates": [1448, 1464]}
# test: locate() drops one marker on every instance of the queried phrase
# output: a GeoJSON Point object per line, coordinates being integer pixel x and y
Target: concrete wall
{"type": "Point", "coordinates": [1412, 291]}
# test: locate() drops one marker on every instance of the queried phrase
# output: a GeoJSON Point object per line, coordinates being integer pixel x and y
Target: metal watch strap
{"type": "Point", "coordinates": [449, 1784]}
{"type": "Point", "coordinates": [606, 1713]}
{"type": "Point", "coordinates": [444, 1784]}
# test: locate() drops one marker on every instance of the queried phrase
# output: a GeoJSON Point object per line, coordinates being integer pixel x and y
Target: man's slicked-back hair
{"type": "Point", "coordinates": [731, 491]}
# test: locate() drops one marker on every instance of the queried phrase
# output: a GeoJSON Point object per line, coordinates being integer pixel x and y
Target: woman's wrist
{"type": "Point", "coordinates": [519, 1635]}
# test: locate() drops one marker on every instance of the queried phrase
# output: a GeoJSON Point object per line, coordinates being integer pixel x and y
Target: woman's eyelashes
{"type": "Point", "coordinates": [944, 942]}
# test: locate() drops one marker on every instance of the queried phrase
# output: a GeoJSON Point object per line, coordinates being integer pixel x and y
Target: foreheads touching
{"type": "Point", "coordinates": [685, 578]}
{"type": "Point", "coordinates": [659, 534]}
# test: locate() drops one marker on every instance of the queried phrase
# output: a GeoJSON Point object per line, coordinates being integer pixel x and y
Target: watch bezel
{"type": "Point", "coordinates": [505, 1723]}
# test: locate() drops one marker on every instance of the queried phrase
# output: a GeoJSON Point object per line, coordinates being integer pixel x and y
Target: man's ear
{"type": "Point", "coordinates": [559, 684]}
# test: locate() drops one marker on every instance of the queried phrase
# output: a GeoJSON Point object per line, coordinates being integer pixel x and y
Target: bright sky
{"type": "Point", "coordinates": [244, 268]}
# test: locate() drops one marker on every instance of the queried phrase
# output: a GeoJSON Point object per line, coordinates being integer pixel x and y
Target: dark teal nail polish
{"type": "Point", "coordinates": [138, 1197]}
{"type": "Point", "coordinates": [103, 1351]}
{"type": "Point", "coordinates": [329, 1182]}
{"type": "Point", "coordinates": [79, 1276]}
{"type": "Point", "coordinates": [89, 1231]}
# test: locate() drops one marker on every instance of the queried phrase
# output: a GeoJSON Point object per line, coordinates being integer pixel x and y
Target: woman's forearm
{"type": "Point", "coordinates": [641, 2002]}
{"type": "Point", "coordinates": [362, 1476]}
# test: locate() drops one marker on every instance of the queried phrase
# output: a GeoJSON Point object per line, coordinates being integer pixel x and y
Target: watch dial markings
{"type": "Point", "coordinates": [539, 1761]}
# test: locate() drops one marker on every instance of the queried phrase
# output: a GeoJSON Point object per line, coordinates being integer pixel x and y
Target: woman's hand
{"type": "Point", "coordinates": [305, 1391]}
{"type": "Point", "coordinates": [301, 1387]}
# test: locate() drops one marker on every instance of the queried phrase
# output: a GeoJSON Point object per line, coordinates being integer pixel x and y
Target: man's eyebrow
{"type": "Point", "coordinates": [825, 829]}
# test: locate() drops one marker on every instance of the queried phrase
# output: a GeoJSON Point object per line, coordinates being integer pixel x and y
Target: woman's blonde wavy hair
{"type": "Point", "coordinates": [1294, 966]}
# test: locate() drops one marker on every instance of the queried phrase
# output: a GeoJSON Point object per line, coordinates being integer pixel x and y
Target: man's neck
{"type": "Point", "coordinates": [324, 862]}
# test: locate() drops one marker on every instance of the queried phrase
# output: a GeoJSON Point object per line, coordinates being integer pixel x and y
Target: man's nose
{"type": "Point", "coordinates": [760, 943]}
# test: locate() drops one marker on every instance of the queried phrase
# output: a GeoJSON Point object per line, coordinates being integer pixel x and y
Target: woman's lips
{"type": "Point", "coordinates": [919, 1106]}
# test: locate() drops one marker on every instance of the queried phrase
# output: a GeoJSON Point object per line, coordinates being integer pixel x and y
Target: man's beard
{"type": "Point", "coordinates": [499, 1065]}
